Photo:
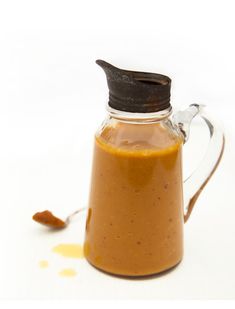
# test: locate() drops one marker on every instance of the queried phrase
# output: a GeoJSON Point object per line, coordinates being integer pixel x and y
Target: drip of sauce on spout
{"type": "Point", "coordinates": [68, 272]}
{"type": "Point", "coordinates": [69, 250]}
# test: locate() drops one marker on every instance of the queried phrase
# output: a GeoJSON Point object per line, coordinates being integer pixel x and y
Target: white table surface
{"type": "Point", "coordinates": [52, 99]}
{"type": "Point", "coordinates": [57, 179]}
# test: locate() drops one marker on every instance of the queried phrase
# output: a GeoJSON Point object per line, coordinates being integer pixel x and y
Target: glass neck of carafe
{"type": "Point", "coordinates": [141, 118]}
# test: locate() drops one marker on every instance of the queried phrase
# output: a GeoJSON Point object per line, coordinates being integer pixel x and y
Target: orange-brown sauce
{"type": "Point", "coordinates": [47, 218]}
{"type": "Point", "coordinates": [135, 219]}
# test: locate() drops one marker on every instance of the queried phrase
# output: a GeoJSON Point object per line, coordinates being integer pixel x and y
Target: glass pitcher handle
{"type": "Point", "coordinates": [195, 183]}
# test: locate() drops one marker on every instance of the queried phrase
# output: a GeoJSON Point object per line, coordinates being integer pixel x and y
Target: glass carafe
{"type": "Point", "coordinates": [136, 207]}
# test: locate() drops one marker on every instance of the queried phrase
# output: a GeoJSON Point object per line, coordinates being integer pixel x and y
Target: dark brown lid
{"type": "Point", "coordinates": [136, 92]}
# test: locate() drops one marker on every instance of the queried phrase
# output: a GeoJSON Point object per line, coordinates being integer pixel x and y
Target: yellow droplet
{"type": "Point", "coordinates": [43, 264]}
{"type": "Point", "coordinates": [69, 250]}
{"type": "Point", "coordinates": [68, 272]}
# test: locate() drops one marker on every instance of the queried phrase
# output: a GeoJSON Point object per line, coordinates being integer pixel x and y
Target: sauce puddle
{"type": "Point", "coordinates": [75, 251]}
{"type": "Point", "coordinates": [69, 250]}
{"type": "Point", "coordinates": [43, 264]}
{"type": "Point", "coordinates": [68, 272]}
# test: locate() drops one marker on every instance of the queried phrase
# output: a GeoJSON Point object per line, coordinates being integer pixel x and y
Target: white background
{"type": "Point", "coordinates": [52, 99]}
